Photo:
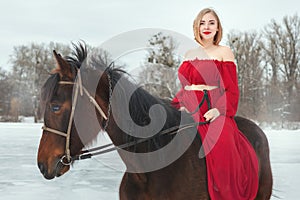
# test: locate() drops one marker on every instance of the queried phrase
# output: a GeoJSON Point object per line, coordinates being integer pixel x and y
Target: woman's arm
{"type": "Point", "coordinates": [227, 104]}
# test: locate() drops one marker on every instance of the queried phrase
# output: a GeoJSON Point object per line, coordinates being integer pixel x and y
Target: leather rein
{"type": "Point", "coordinates": [67, 159]}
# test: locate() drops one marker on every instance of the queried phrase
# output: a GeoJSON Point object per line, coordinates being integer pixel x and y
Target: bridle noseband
{"type": "Point", "coordinates": [79, 88]}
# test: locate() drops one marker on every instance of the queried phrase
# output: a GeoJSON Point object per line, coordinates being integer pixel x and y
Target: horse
{"type": "Point", "coordinates": [184, 177]}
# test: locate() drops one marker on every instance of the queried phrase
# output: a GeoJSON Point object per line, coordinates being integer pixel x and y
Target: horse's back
{"type": "Point", "coordinates": [259, 141]}
{"type": "Point", "coordinates": [189, 181]}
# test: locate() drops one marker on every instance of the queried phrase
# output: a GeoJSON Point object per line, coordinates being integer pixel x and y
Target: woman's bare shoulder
{"type": "Point", "coordinates": [227, 53]}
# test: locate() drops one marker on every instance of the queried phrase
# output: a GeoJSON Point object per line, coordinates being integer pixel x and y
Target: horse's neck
{"type": "Point", "coordinates": [133, 162]}
{"type": "Point", "coordinates": [116, 135]}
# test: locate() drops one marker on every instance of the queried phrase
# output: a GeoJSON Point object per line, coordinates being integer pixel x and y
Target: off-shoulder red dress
{"type": "Point", "coordinates": [232, 165]}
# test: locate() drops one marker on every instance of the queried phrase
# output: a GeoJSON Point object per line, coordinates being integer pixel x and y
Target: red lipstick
{"type": "Point", "coordinates": [206, 32]}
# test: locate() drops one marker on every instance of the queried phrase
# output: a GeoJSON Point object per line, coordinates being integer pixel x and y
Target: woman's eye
{"type": "Point", "coordinates": [55, 108]}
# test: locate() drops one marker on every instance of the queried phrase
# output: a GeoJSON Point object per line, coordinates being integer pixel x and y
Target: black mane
{"type": "Point", "coordinates": [140, 103]}
{"type": "Point", "coordinates": [78, 55]}
{"type": "Point", "coordinates": [141, 100]}
{"type": "Point", "coordinates": [48, 89]}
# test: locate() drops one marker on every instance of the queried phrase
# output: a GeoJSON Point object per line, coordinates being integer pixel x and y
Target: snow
{"type": "Point", "coordinates": [100, 178]}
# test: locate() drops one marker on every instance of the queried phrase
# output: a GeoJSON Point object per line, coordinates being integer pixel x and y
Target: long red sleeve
{"type": "Point", "coordinates": [176, 102]}
{"type": "Point", "coordinates": [227, 104]}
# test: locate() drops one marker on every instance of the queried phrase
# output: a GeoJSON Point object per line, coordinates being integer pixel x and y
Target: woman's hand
{"type": "Point", "coordinates": [183, 109]}
{"type": "Point", "coordinates": [194, 87]}
{"type": "Point", "coordinates": [211, 114]}
{"type": "Point", "coordinates": [199, 87]}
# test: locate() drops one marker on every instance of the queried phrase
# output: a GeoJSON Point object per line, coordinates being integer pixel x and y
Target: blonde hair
{"type": "Point", "coordinates": [196, 26]}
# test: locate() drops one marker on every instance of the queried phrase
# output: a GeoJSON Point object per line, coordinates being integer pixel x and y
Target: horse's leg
{"type": "Point", "coordinates": [259, 141]}
{"type": "Point", "coordinates": [265, 172]}
{"type": "Point", "coordinates": [122, 192]}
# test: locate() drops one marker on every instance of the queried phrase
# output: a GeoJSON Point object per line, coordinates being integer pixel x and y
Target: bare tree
{"type": "Point", "coordinates": [5, 89]}
{"type": "Point", "coordinates": [31, 66]}
{"type": "Point", "coordinates": [283, 54]}
{"type": "Point", "coordinates": [159, 70]}
{"type": "Point", "coordinates": [247, 48]}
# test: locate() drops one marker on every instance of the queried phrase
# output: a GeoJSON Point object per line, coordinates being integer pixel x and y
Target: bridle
{"type": "Point", "coordinates": [67, 159]}
{"type": "Point", "coordinates": [79, 89]}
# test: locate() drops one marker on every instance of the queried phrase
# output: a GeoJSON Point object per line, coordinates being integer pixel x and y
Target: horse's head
{"type": "Point", "coordinates": [57, 99]}
{"type": "Point", "coordinates": [122, 109]}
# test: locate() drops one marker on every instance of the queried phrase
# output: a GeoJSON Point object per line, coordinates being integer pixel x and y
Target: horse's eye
{"type": "Point", "coordinates": [55, 108]}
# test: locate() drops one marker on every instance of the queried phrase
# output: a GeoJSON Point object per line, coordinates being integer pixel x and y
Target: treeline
{"type": "Point", "coordinates": [20, 87]}
{"type": "Point", "coordinates": [268, 71]}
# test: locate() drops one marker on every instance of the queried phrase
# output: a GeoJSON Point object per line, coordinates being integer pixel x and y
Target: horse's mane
{"type": "Point", "coordinates": [139, 102]}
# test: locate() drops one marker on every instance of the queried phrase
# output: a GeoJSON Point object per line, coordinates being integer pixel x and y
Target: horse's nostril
{"type": "Point", "coordinates": [42, 168]}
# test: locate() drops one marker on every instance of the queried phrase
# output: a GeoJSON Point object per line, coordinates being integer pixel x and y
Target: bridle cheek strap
{"type": "Point", "coordinates": [78, 88]}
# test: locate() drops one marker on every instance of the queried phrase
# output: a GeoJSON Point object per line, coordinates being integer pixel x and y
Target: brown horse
{"type": "Point", "coordinates": [69, 127]}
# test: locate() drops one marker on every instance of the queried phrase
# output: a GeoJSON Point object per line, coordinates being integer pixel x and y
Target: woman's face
{"type": "Point", "coordinates": [208, 26]}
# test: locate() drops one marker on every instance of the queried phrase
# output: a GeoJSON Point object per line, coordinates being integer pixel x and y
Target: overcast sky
{"type": "Point", "coordinates": [96, 21]}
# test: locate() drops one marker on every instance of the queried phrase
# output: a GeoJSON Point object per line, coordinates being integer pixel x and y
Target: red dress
{"type": "Point", "coordinates": [232, 165]}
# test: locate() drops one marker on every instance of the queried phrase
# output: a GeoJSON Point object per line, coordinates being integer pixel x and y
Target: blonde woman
{"type": "Point", "coordinates": [210, 93]}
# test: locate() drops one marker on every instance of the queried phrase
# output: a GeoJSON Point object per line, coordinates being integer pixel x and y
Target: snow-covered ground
{"type": "Point", "coordinates": [99, 179]}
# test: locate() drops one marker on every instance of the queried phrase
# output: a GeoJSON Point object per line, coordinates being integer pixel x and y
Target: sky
{"type": "Point", "coordinates": [96, 21]}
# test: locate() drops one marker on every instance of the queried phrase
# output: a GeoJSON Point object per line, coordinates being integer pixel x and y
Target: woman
{"type": "Point", "coordinates": [232, 166]}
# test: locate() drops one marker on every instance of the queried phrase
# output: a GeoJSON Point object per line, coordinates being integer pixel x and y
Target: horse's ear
{"type": "Point", "coordinates": [62, 67]}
